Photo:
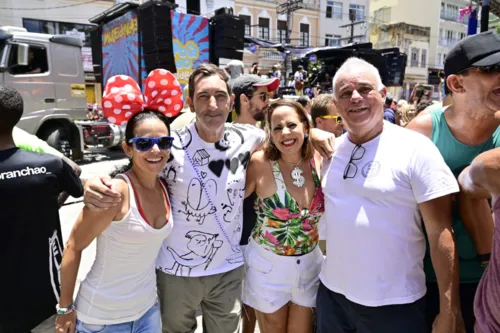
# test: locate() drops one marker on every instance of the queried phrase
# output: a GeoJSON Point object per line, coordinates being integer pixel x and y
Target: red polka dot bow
{"type": "Point", "coordinates": [123, 97]}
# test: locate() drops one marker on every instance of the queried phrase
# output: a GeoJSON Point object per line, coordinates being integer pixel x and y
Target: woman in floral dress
{"type": "Point", "coordinates": [283, 258]}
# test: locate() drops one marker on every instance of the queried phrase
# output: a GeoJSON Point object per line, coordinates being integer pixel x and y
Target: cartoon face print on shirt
{"type": "Point", "coordinates": [232, 136]}
{"type": "Point", "coordinates": [235, 194]}
{"type": "Point", "coordinates": [201, 249]}
{"type": "Point", "coordinates": [197, 204]}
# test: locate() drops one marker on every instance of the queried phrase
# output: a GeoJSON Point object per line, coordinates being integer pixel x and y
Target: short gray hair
{"type": "Point", "coordinates": [352, 64]}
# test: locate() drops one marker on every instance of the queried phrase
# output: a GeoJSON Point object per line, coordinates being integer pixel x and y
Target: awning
{"type": "Point", "coordinates": [262, 42]}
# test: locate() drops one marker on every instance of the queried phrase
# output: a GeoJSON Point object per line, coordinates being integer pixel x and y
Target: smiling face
{"type": "Point", "coordinates": [259, 103]}
{"type": "Point", "coordinates": [211, 103]}
{"type": "Point", "coordinates": [359, 101]}
{"type": "Point", "coordinates": [331, 125]}
{"type": "Point", "coordinates": [154, 160]}
{"type": "Point", "coordinates": [287, 132]}
{"type": "Point", "coordinates": [480, 90]}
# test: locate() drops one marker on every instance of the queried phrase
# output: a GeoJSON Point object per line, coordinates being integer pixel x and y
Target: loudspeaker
{"type": "Point", "coordinates": [227, 37]}
{"type": "Point", "coordinates": [96, 43]}
{"type": "Point", "coordinates": [155, 26]}
{"type": "Point", "coordinates": [395, 69]}
{"type": "Point", "coordinates": [165, 60]}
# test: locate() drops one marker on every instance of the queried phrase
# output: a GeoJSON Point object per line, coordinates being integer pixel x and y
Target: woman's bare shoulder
{"type": "Point", "coordinates": [120, 185]}
{"type": "Point", "coordinates": [258, 164]}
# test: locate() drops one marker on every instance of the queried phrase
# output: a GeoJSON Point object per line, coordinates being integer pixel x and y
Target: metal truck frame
{"type": "Point", "coordinates": [48, 72]}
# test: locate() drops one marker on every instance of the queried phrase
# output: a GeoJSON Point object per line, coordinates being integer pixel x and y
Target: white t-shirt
{"type": "Point", "coordinates": [198, 246]}
{"type": "Point", "coordinates": [374, 238]}
{"type": "Point", "coordinates": [299, 76]}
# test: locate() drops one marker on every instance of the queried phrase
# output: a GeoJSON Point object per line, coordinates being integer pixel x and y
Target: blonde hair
{"type": "Point", "coordinates": [406, 116]}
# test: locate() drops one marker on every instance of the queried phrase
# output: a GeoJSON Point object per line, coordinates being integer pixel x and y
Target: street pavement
{"type": "Point", "coordinates": [96, 164]}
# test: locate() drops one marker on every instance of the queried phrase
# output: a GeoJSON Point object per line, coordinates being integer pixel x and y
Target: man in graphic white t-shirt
{"type": "Point", "coordinates": [382, 180]}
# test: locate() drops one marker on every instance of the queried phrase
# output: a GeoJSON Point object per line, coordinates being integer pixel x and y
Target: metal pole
{"type": "Point", "coordinates": [485, 15]}
{"type": "Point", "coordinates": [352, 18]}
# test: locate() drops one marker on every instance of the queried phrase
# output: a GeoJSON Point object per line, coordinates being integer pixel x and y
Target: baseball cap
{"type": "Point", "coordinates": [241, 84]}
{"type": "Point", "coordinates": [479, 50]}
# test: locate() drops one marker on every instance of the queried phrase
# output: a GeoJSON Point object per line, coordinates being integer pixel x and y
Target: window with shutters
{"type": "Point", "coordinates": [304, 34]}
{"type": "Point", "coordinates": [264, 28]}
{"type": "Point", "coordinates": [247, 19]}
{"type": "Point", "coordinates": [281, 31]}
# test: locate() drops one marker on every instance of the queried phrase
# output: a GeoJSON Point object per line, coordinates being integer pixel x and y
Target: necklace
{"type": "Point", "coordinates": [296, 174]}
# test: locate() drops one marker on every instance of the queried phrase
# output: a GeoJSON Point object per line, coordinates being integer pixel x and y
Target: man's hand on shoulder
{"type": "Point", "coordinates": [101, 194]}
{"type": "Point", "coordinates": [323, 142]}
{"type": "Point", "coordinates": [421, 124]}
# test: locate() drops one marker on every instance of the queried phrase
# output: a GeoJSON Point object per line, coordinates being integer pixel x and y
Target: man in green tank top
{"type": "Point", "coordinates": [462, 131]}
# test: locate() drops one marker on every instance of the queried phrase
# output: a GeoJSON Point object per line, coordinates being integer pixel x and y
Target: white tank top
{"type": "Point", "coordinates": [121, 285]}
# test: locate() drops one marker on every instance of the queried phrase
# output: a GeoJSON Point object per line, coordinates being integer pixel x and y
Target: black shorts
{"type": "Point", "coordinates": [336, 314]}
{"type": "Point", "coordinates": [467, 293]}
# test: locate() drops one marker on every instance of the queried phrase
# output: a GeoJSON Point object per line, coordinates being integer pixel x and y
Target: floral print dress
{"type": "Point", "coordinates": [281, 226]}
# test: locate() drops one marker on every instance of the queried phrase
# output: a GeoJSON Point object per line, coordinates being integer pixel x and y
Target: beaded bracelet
{"type": "Point", "coordinates": [65, 311]}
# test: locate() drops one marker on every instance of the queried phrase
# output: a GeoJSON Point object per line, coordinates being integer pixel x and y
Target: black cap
{"type": "Point", "coordinates": [473, 51]}
{"type": "Point", "coordinates": [242, 83]}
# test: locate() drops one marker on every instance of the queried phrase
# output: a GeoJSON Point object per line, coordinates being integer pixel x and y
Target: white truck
{"type": "Point", "coordinates": [48, 72]}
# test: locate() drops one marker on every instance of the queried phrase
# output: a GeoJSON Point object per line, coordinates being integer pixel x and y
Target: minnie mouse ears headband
{"type": "Point", "coordinates": [123, 97]}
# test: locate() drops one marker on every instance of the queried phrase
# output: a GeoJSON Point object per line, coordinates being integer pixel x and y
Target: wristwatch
{"type": "Point", "coordinates": [63, 311]}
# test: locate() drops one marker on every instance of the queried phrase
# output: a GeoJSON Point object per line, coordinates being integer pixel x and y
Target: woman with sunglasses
{"type": "Point", "coordinates": [283, 258]}
{"type": "Point", "coordinates": [119, 293]}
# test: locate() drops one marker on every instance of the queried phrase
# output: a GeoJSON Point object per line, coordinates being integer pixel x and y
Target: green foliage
{"type": "Point", "coordinates": [316, 65]}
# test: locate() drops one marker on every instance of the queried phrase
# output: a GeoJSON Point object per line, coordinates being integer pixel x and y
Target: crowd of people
{"type": "Point", "coordinates": [342, 213]}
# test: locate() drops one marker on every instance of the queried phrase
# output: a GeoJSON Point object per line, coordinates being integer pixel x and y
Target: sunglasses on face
{"type": "Point", "coordinates": [145, 143]}
{"type": "Point", "coordinates": [338, 119]}
{"type": "Point", "coordinates": [263, 96]}
{"type": "Point", "coordinates": [493, 69]}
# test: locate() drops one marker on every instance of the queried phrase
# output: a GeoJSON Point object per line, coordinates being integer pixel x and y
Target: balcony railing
{"type": "Point", "coordinates": [453, 16]}
{"type": "Point", "coordinates": [311, 6]}
{"type": "Point", "coordinates": [447, 42]}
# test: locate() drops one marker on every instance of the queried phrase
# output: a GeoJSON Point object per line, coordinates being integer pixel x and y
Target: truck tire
{"type": "Point", "coordinates": [57, 138]}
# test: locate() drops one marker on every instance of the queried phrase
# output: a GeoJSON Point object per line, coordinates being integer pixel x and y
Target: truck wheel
{"type": "Point", "coordinates": [58, 139]}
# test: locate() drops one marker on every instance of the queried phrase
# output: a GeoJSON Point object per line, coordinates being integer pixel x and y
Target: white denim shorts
{"type": "Point", "coordinates": [272, 281]}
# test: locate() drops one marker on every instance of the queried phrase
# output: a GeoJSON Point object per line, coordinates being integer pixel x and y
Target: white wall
{"type": "Point", "coordinates": [207, 7]}
{"type": "Point", "coordinates": [331, 25]}
{"type": "Point", "coordinates": [74, 14]}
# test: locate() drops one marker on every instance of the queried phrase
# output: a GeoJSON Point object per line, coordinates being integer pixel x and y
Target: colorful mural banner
{"type": "Point", "coordinates": [190, 40]}
{"type": "Point", "coordinates": [120, 47]}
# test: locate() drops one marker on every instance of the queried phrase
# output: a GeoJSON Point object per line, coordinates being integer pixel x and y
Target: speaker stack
{"type": "Point", "coordinates": [155, 25]}
{"type": "Point", "coordinates": [227, 36]}
{"type": "Point", "coordinates": [95, 42]}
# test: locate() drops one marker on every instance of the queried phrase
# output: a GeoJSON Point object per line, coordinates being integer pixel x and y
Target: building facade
{"type": "Point", "coordinates": [262, 21]}
{"type": "Point", "coordinates": [202, 7]}
{"type": "Point", "coordinates": [412, 40]}
{"type": "Point", "coordinates": [334, 18]}
{"type": "Point", "coordinates": [442, 17]}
